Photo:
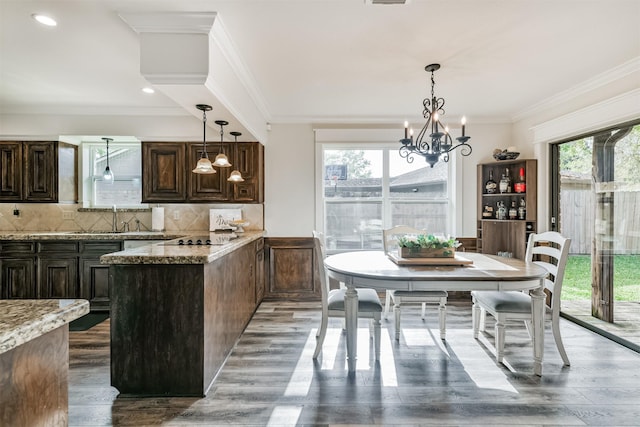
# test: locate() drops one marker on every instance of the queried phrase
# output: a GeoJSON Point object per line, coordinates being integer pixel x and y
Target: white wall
{"type": "Point", "coordinates": [289, 181]}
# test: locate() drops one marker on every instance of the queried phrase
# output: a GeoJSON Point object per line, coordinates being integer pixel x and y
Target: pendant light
{"type": "Point", "coordinates": [204, 164]}
{"type": "Point", "coordinates": [221, 160]}
{"type": "Point", "coordinates": [107, 175]}
{"type": "Point", "coordinates": [235, 176]}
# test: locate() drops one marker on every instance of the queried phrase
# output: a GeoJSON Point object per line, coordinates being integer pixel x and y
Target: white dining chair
{"type": "Point", "coordinates": [397, 297]}
{"type": "Point", "coordinates": [369, 305]}
{"type": "Point", "coordinates": [549, 250]}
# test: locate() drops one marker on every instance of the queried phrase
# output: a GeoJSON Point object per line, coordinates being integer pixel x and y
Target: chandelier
{"type": "Point", "coordinates": [438, 143]}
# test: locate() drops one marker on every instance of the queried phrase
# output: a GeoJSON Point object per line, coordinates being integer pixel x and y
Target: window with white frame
{"type": "Point", "coordinates": [125, 161]}
{"type": "Point", "coordinates": [366, 190]}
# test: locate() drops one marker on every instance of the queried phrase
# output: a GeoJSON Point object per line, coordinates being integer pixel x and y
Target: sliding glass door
{"type": "Point", "coordinates": [596, 202]}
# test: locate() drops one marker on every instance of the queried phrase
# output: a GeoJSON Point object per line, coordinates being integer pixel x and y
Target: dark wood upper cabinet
{"type": "Point", "coordinates": [167, 176]}
{"type": "Point", "coordinates": [41, 171]}
{"type": "Point", "coordinates": [10, 171]}
{"type": "Point", "coordinates": [38, 172]}
{"type": "Point", "coordinates": [163, 176]}
{"type": "Point", "coordinates": [206, 188]}
{"type": "Point", "coordinates": [249, 158]}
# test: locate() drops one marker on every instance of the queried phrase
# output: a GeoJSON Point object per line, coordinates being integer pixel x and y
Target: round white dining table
{"type": "Point", "coordinates": [374, 269]}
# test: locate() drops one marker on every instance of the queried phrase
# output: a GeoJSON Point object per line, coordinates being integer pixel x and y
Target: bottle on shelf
{"type": "Point", "coordinates": [490, 187]}
{"type": "Point", "coordinates": [513, 211]}
{"type": "Point", "coordinates": [501, 212]}
{"type": "Point", "coordinates": [505, 182]}
{"type": "Point", "coordinates": [522, 209]}
{"type": "Point", "coordinates": [521, 185]}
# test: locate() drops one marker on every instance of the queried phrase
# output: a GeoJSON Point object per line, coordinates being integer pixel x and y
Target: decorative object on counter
{"type": "Point", "coordinates": [239, 224]}
{"type": "Point", "coordinates": [505, 182]}
{"type": "Point", "coordinates": [157, 219]}
{"type": "Point", "coordinates": [107, 175]}
{"type": "Point", "coordinates": [219, 219]}
{"type": "Point", "coordinates": [441, 142]}
{"type": "Point", "coordinates": [204, 165]}
{"type": "Point", "coordinates": [221, 160]}
{"type": "Point", "coordinates": [490, 187]}
{"type": "Point", "coordinates": [499, 154]}
{"type": "Point", "coordinates": [521, 185]}
{"type": "Point", "coordinates": [427, 246]}
{"type": "Point", "coordinates": [235, 176]}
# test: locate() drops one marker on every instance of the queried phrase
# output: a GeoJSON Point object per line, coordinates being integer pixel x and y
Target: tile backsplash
{"type": "Point", "coordinates": [70, 217]}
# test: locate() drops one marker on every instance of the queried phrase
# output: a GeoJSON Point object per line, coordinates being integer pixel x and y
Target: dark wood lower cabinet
{"type": "Point", "coordinates": [56, 269]}
{"type": "Point", "coordinates": [17, 278]}
{"type": "Point", "coordinates": [290, 269]}
{"type": "Point", "coordinates": [173, 325]}
{"type": "Point", "coordinates": [58, 277]}
{"type": "Point", "coordinates": [94, 277]}
{"type": "Point", "coordinates": [260, 274]}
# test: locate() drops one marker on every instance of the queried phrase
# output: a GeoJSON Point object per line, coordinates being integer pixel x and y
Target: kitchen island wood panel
{"type": "Point", "coordinates": [172, 324]}
{"type": "Point", "coordinates": [290, 269]}
{"type": "Point", "coordinates": [34, 360]}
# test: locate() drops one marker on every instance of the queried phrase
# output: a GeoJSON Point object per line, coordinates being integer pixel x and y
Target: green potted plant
{"type": "Point", "coordinates": [427, 246]}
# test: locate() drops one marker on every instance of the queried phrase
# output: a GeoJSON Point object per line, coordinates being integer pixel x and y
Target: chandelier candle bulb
{"type": "Point", "coordinates": [464, 122]}
{"type": "Point", "coordinates": [406, 127]}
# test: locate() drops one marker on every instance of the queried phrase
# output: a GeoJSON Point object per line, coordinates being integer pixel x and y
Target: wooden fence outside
{"type": "Point", "coordinates": [577, 212]}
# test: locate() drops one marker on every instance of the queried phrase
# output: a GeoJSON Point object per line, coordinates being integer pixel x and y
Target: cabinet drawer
{"type": "Point", "coordinates": [8, 248]}
{"type": "Point", "coordinates": [57, 247]}
{"type": "Point", "coordinates": [100, 247]}
{"type": "Point", "coordinates": [259, 245]}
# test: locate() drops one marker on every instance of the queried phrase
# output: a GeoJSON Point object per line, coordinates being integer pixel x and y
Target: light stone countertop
{"type": "Point", "coordinates": [170, 253]}
{"type": "Point", "coordinates": [91, 235]}
{"type": "Point", "coordinates": [24, 320]}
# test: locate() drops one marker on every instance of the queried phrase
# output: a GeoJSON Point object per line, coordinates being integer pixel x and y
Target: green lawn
{"type": "Point", "coordinates": [626, 276]}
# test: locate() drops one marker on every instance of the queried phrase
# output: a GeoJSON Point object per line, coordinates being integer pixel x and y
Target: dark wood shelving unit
{"type": "Point", "coordinates": [506, 235]}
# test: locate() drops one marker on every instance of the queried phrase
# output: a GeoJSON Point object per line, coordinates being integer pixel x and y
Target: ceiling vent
{"type": "Point", "coordinates": [385, 1]}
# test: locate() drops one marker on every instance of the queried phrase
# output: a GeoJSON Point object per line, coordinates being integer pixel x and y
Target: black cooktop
{"type": "Point", "coordinates": [206, 240]}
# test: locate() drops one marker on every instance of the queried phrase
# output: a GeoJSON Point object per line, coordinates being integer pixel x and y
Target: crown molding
{"type": "Point", "coordinates": [169, 22]}
{"type": "Point", "coordinates": [618, 109]}
{"type": "Point", "coordinates": [602, 79]}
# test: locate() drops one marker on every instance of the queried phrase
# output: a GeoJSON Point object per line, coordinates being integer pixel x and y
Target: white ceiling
{"type": "Point", "coordinates": [324, 61]}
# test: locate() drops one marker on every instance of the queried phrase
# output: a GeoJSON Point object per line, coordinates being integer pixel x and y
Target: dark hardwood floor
{"type": "Point", "coordinates": [270, 378]}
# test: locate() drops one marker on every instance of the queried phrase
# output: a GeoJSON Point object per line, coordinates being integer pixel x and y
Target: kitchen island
{"type": "Point", "coordinates": [34, 360]}
{"type": "Point", "coordinates": [178, 310]}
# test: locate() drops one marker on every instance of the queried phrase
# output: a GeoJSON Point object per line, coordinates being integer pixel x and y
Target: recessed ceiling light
{"type": "Point", "coordinates": [45, 20]}
{"type": "Point", "coordinates": [148, 90]}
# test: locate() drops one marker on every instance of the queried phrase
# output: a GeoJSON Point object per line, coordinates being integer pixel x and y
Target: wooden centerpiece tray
{"type": "Point", "coordinates": [455, 260]}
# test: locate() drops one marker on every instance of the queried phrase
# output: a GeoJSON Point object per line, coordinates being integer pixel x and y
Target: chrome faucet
{"type": "Point", "coordinates": [114, 220]}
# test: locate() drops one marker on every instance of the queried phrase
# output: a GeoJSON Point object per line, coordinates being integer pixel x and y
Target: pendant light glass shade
{"type": "Point", "coordinates": [204, 164]}
{"type": "Point", "coordinates": [107, 175]}
{"type": "Point", "coordinates": [235, 176]}
{"type": "Point", "coordinates": [221, 160]}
